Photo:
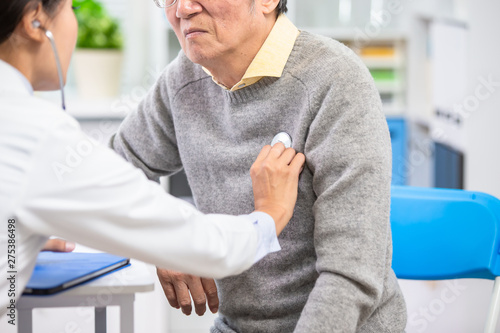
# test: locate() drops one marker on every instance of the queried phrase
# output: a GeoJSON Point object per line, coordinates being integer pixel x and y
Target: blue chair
{"type": "Point", "coordinates": [447, 234]}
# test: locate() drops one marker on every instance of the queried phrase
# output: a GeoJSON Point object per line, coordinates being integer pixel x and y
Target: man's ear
{"type": "Point", "coordinates": [268, 6]}
{"type": "Point", "coordinates": [32, 25]}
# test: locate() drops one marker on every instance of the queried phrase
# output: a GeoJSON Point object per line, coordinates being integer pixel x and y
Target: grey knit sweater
{"type": "Point", "coordinates": [333, 273]}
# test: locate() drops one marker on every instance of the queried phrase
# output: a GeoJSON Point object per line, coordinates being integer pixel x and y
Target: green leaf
{"type": "Point", "coordinates": [97, 29]}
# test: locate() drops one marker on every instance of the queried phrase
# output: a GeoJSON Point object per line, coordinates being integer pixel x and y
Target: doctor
{"type": "Point", "coordinates": [54, 180]}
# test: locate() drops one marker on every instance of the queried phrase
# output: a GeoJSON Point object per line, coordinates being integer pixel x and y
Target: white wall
{"type": "Point", "coordinates": [482, 163]}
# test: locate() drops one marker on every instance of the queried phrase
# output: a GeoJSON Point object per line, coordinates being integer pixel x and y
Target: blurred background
{"type": "Point", "coordinates": [436, 64]}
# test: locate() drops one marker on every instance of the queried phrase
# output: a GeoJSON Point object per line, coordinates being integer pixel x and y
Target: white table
{"type": "Point", "coordinates": [117, 288]}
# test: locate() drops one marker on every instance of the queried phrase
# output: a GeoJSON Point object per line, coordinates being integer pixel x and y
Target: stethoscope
{"type": "Point", "coordinates": [284, 138]}
{"type": "Point", "coordinates": [50, 36]}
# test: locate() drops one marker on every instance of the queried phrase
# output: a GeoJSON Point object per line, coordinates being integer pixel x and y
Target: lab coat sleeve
{"type": "Point", "coordinates": [86, 193]}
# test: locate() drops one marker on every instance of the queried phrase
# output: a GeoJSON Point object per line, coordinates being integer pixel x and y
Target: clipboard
{"type": "Point", "coordinates": [58, 271]}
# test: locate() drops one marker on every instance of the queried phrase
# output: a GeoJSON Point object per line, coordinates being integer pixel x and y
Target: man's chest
{"type": "Point", "coordinates": [218, 141]}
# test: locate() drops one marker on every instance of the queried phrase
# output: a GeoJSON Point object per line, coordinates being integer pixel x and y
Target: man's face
{"type": "Point", "coordinates": [213, 30]}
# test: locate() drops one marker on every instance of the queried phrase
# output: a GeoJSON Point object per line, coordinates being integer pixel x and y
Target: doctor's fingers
{"type": "Point", "coordinates": [287, 156]}
{"type": "Point", "coordinates": [263, 153]}
{"type": "Point", "coordinates": [274, 152]}
{"type": "Point", "coordinates": [297, 164]}
{"type": "Point", "coordinates": [58, 245]}
{"type": "Point", "coordinates": [277, 150]}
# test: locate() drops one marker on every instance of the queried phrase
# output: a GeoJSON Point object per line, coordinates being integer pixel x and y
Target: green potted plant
{"type": "Point", "coordinates": [98, 57]}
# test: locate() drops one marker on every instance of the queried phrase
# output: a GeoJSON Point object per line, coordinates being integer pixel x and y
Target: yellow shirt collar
{"type": "Point", "coordinates": [272, 56]}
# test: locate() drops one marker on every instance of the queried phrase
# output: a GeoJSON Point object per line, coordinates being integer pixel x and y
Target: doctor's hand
{"type": "Point", "coordinates": [177, 287]}
{"type": "Point", "coordinates": [58, 245]}
{"type": "Point", "coordinates": [275, 178]}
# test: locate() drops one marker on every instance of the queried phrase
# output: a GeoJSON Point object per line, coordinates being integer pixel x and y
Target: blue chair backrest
{"type": "Point", "coordinates": [444, 234]}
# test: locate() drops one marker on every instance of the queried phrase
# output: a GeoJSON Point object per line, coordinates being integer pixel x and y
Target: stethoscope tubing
{"type": "Point", "coordinates": [50, 36]}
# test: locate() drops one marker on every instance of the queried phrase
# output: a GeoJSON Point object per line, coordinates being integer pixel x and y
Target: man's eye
{"type": "Point", "coordinates": [75, 7]}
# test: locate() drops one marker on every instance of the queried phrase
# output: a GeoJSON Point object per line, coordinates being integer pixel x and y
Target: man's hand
{"type": "Point", "coordinates": [275, 178]}
{"type": "Point", "coordinates": [177, 287]}
{"type": "Point", "coordinates": [58, 245]}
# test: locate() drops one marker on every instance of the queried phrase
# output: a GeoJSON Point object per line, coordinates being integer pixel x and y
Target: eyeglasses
{"type": "Point", "coordinates": [165, 3]}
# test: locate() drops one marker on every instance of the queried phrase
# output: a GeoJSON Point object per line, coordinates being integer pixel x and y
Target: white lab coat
{"type": "Point", "coordinates": [55, 181]}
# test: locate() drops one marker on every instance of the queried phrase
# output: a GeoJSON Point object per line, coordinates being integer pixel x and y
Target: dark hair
{"type": "Point", "coordinates": [281, 9]}
{"type": "Point", "coordinates": [12, 11]}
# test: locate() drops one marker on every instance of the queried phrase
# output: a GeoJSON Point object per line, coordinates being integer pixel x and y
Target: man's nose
{"type": "Point", "coordinates": [187, 8]}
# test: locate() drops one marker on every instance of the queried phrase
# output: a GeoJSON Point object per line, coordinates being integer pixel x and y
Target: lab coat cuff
{"type": "Point", "coordinates": [266, 229]}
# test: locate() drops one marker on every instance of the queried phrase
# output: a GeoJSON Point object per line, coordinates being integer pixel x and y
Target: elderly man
{"type": "Point", "coordinates": [245, 73]}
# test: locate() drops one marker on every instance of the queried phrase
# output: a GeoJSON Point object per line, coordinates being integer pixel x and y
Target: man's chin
{"type": "Point", "coordinates": [196, 49]}
{"type": "Point", "coordinates": [198, 58]}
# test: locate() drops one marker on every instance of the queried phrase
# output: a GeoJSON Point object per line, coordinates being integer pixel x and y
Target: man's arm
{"type": "Point", "coordinates": [348, 150]}
{"type": "Point", "coordinates": [146, 138]}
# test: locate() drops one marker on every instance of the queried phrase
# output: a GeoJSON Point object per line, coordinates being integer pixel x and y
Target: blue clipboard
{"type": "Point", "coordinates": [58, 271]}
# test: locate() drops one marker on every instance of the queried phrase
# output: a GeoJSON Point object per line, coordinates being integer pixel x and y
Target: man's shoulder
{"type": "Point", "coordinates": [314, 54]}
{"type": "Point", "coordinates": [182, 72]}
{"type": "Point", "coordinates": [321, 48]}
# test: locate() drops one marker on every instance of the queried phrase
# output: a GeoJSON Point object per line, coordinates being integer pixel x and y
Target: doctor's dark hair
{"type": "Point", "coordinates": [12, 11]}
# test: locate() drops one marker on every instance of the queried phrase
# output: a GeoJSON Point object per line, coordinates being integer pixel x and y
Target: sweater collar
{"type": "Point", "coordinates": [12, 80]}
{"type": "Point", "coordinates": [256, 90]}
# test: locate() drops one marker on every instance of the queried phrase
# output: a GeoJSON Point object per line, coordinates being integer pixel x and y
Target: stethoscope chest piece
{"type": "Point", "coordinates": [284, 138]}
